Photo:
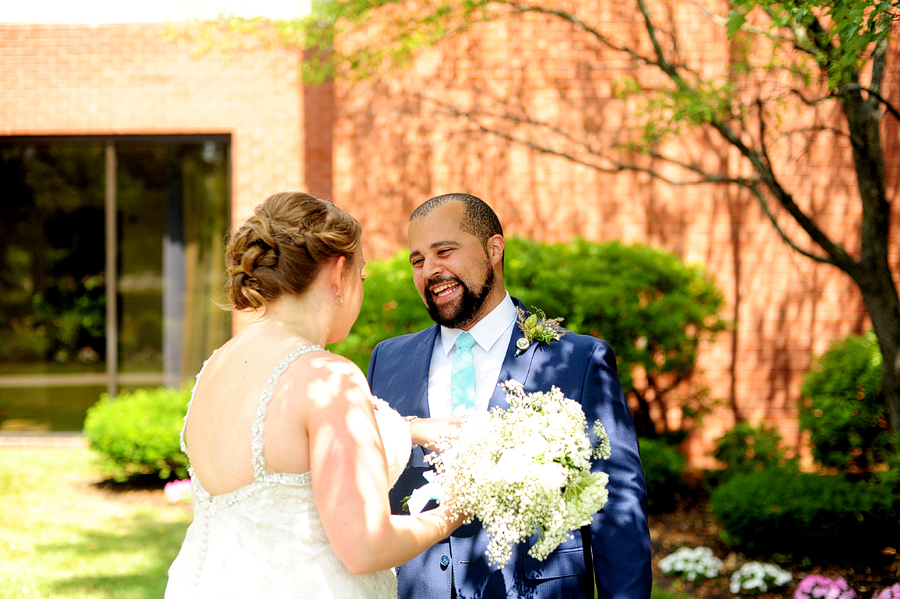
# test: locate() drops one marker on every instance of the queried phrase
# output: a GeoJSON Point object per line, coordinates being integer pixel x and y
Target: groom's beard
{"type": "Point", "coordinates": [463, 311]}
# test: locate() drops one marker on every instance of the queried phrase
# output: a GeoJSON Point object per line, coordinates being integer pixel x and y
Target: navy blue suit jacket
{"type": "Point", "coordinates": [584, 368]}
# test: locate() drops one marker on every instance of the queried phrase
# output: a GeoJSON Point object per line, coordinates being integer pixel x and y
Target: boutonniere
{"type": "Point", "coordinates": [540, 329]}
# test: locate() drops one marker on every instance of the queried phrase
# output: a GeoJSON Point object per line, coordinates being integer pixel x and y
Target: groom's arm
{"type": "Point", "coordinates": [620, 533]}
{"type": "Point", "coordinates": [370, 373]}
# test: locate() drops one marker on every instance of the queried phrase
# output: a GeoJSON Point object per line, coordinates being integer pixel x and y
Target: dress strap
{"type": "Point", "coordinates": [256, 445]}
{"type": "Point", "coordinates": [191, 400]}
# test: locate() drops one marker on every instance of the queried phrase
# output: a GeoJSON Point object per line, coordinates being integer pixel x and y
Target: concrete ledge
{"type": "Point", "coordinates": [32, 439]}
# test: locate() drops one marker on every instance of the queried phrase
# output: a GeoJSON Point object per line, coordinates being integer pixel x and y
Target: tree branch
{"type": "Point", "coordinates": [474, 117]}
{"type": "Point", "coordinates": [836, 254]}
{"type": "Point", "coordinates": [856, 87]}
{"type": "Point", "coordinates": [565, 16]}
{"type": "Point", "coordinates": [784, 236]}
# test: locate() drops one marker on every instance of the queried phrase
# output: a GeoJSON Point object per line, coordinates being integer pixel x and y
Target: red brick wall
{"type": "Point", "coordinates": [395, 147]}
{"type": "Point", "coordinates": [380, 149]}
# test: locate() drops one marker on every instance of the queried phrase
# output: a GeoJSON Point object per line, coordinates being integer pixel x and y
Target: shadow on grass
{"type": "Point", "coordinates": [143, 544]}
{"type": "Point", "coordinates": [137, 482]}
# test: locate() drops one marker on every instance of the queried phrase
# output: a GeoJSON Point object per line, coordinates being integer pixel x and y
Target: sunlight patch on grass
{"type": "Point", "coordinates": [63, 538]}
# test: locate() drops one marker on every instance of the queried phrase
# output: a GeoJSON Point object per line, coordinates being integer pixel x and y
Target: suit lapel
{"type": "Point", "coordinates": [514, 367]}
{"type": "Point", "coordinates": [418, 377]}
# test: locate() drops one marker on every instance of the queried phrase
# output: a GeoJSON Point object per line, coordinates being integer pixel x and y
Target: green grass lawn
{"type": "Point", "coordinates": [61, 537]}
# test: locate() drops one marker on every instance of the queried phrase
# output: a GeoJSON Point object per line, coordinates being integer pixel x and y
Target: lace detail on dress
{"type": "Point", "coordinates": [259, 427]}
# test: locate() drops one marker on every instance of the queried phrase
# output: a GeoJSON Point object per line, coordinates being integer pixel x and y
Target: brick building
{"type": "Point", "coordinates": [234, 126]}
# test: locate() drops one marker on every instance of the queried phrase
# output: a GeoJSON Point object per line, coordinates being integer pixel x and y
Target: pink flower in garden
{"type": "Point", "coordinates": [816, 586]}
{"type": "Point", "coordinates": [891, 592]}
{"type": "Point", "coordinates": [178, 490]}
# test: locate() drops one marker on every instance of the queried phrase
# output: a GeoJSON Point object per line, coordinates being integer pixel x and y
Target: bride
{"type": "Point", "coordinates": [291, 457]}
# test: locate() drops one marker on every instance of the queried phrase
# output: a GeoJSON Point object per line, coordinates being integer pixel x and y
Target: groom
{"type": "Point", "coordinates": [456, 250]}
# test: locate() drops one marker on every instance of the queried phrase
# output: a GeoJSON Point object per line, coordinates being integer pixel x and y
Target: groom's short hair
{"type": "Point", "coordinates": [480, 220]}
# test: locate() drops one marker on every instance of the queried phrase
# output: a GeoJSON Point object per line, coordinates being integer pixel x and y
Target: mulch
{"type": "Point", "coordinates": [692, 524]}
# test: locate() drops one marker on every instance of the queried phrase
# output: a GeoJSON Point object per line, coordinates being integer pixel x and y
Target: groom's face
{"type": "Point", "coordinates": [451, 269]}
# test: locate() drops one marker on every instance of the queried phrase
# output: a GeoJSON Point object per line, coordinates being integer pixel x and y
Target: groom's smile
{"type": "Point", "coordinates": [452, 269]}
{"type": "Point", "coordinates": [443, 290]}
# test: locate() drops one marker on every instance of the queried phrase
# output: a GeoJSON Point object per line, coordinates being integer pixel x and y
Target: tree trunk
{"type": "Point", "coordinates": [873, 272]}
{"type": "Point", "coordinates": [883, 307]}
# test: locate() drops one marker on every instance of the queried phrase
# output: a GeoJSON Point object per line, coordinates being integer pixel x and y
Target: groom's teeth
{"type": "Point", "coordinates": [443, 289]}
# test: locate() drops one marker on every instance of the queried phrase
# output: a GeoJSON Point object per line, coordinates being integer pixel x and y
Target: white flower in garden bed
{"type": "Point", "coordinates": [524, 470]}
{"type": "Point", "coordinates": [756, 577]}
{"type": "Point", "coordinates": [691, 563]}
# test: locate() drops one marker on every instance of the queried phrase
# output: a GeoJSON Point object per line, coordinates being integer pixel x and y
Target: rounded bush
{"type": "Point", "coordinates": [663, 467]}
{"type": "Point", "coordinates": [139, 431]}
{"type": "Point", "coordinates": [804, 515]}
{"type": "Point", "coordinates": [748, 448]}
{"type": "Point", "coordinates": [842, 408]}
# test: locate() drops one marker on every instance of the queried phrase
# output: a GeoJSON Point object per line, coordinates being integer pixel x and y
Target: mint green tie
{"type": "Point", "coordinates": [462, 376]}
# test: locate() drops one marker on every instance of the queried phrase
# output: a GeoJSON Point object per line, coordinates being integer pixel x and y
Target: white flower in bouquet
{"type": "Point", "coordinates": [524, 470]}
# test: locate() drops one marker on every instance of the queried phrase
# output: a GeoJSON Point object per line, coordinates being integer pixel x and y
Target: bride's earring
{"type": "Point", "coordinates": [339, 299]}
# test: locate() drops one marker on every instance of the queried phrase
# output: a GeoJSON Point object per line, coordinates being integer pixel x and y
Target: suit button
{"type": "Point", "coordinates": [445, 561]}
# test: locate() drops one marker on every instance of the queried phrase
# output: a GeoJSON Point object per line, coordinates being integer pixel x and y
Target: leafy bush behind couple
{"type": "Point", "coordinates": [651, 307]}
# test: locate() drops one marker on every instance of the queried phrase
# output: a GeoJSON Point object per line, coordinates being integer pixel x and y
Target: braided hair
{"type": "Point", "coordinates": [283, 247]}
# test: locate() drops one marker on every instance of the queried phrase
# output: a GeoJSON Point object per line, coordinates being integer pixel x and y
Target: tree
{"type": "Point", "coordinates": [791, 62]}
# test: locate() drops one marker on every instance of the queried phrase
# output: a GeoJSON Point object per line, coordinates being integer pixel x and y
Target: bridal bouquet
{"type": "Point", "coordinates": [524, 470]}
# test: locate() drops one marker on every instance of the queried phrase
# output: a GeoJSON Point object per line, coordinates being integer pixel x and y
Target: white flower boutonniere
{"type": "Point", "coordinates": [540, 329]}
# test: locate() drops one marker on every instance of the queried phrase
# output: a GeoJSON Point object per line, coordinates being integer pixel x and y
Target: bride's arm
{"type": "Point", "coordinates": [350, 479]}
{"type": "Point", "coordinates": [428, 432]}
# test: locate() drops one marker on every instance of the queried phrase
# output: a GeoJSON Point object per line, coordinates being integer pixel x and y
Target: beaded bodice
{"type": "Point", "coordinates": [261, 478]}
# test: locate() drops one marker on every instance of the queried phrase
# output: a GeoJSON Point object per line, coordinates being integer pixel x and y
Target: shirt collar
{"type": "Point", "coordinates": [487, 330]}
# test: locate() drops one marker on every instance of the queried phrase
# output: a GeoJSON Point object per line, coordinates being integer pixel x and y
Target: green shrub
{"type": "Point", "coordinates": [804, 515]}
{"type": "Point", "coordinates": [139, 431]}
{"type": "Point", "coordinates": [842, 408]}
{"type": "Point", "coordinates": [663, 467]}
{"type": "Point", "coordinates": [748, 448]}
{"type": "Point", "coordinates": [646, 302]}
{"type": "Point", "coordinates": [652, 308]}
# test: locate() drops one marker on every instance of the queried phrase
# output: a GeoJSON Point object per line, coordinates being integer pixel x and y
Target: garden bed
{"type": "Point", "coordinates": [692, 525]}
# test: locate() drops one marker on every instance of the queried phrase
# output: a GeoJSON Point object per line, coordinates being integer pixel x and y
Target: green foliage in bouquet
{"type": "Point", "coordinates": [663, 469]}
{"type": "Point", "coordinates": [652, 308]}
{"type": "Point", "coordinates": [804, 515]}
{"type": "Point", "coordinates": [843, 410]}
{"type": "Point", "coordinates": [139, 432]}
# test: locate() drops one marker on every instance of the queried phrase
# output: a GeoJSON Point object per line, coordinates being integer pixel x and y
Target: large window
{"type": "Point", "coordinates": [139, 219]}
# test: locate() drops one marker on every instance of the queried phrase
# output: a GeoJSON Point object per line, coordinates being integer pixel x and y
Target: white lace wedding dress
{"type": "Point", "coordinates": [266, 540]}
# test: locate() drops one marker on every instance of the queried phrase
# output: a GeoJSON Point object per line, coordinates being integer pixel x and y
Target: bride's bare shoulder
{"type": "Point", "coordinates": [328, 377]}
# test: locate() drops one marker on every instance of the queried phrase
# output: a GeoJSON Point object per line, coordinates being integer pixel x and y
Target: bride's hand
{"type": "Point", "coordinates": [450, 521]}
{"type": "Point", "coordinates": [429, 431]}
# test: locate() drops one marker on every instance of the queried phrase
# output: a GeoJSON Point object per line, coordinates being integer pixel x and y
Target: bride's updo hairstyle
{"type": "Point", "coordinates": [284, 245]}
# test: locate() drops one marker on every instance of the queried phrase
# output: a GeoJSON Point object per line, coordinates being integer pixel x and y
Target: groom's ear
{"type": "Point", "coordinates": [496, 246]}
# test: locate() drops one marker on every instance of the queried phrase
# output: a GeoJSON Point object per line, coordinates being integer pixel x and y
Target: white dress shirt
{"type": "Point", "coordinates": [492, 334]}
